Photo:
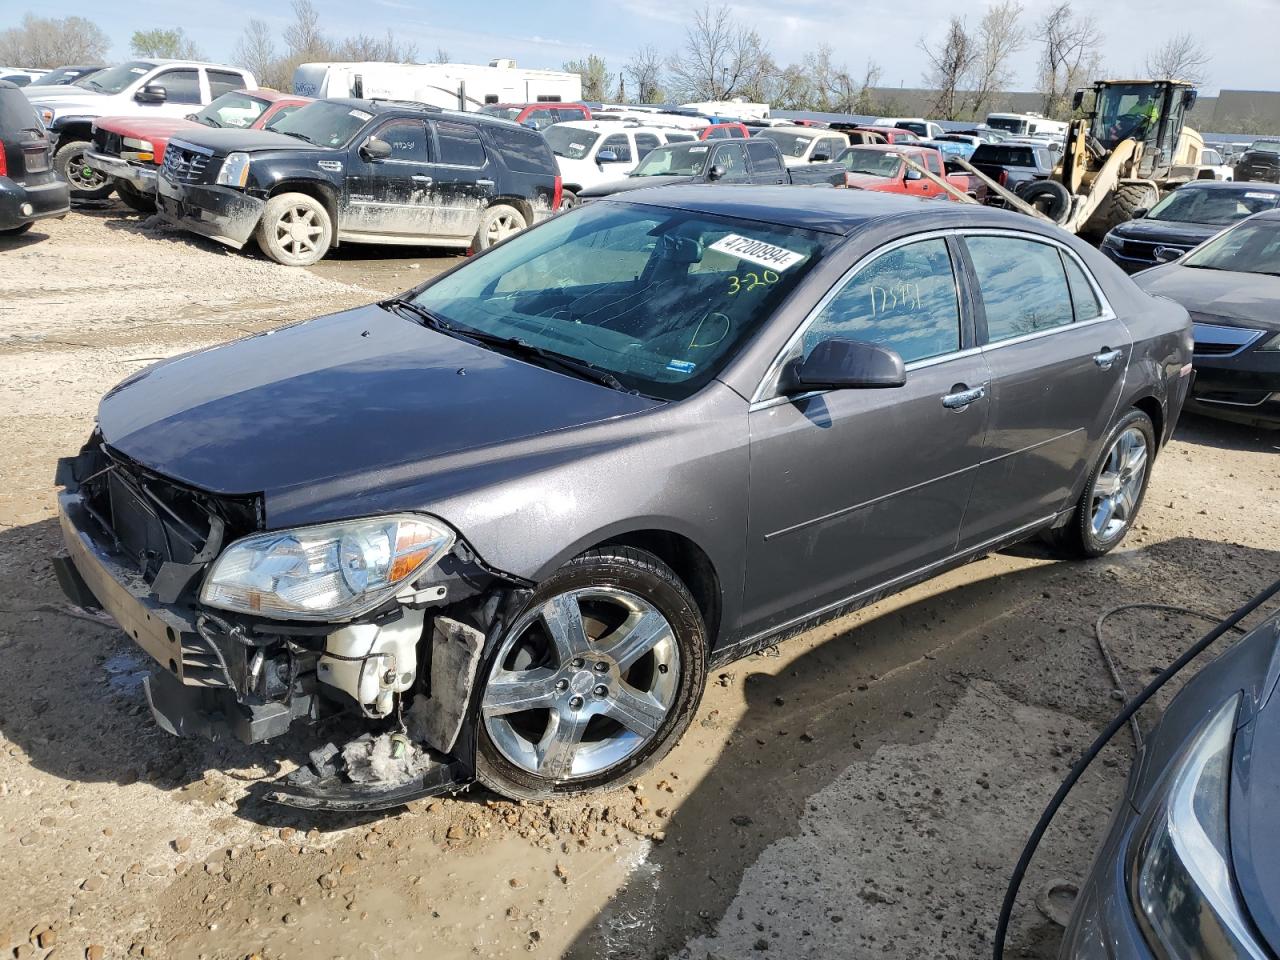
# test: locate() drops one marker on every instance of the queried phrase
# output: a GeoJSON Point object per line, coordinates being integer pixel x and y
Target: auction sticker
{"type": "Point", "coordinates": [361, 115]}
{"type": "Point", "coordinates": [757, 251]}
{"type": "Point", "coordinates": [1259, 195]}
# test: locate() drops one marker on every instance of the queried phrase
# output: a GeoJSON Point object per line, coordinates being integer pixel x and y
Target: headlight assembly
{"type": "Point", "coordinates": [1272, 345]}
{"type": "Point", "coordinates": [329, 572]}
{"type": "Point", "coordinates": [141, 151]}
{"type": "Point", "coordinates": [235, 170]}
{"type": "Point", "coordinates": [1181, 884]}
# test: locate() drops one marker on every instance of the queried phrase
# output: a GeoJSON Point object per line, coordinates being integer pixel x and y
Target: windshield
{"type": "Point", "coordinates": [1265, 146]}
{"type": "Point", "coordinates": [1216, 207]}
{"type": "Point", "coordinates": [877, 163]}
{"type": "Point", "coordinates": [1125, 110]}
{"type": "Point", "coordinates": [791, 144]}
{"type": "Point", "coordinates": [1251, 247]}
{"type": "Point", "coordinates": [326, 123]}
{"type": "Point", "coordinates": [1008, 124]}
{"type": "Point", "coordinates": [114, 79]}
{"type": "Point", "coordinates": [914, 126]}
{"type": "Point", "coordinates": [232, 110]}
{"type": "Point", "coordinates": [506, 113]}
{"type": "Point", "coordinates": [660, 298]}
{"type": "Point", "coordinates": [570, 142]}
{"type": "Point", "coordinates": [680, 160]}
{"type": "Point", "coordinates": [63, 75]}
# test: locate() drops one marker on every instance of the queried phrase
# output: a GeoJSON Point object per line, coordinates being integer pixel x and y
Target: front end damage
{"type": "Point", "coordinates": [400, 679]}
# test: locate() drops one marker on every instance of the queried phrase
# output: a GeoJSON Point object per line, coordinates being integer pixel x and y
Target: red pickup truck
{"type": "Point", "coordinates": [129, 150]}
{"type": "Point", "coordinates": [880, 167]}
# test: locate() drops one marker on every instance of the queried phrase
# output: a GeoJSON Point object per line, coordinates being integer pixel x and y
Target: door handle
{"type": "Point", "coordinates": [1106, 358]}
{"type": "Point", "coordinates": [962, 398]}
{"type": "Point", "coordinates": [484, 183]}
{"type": "Point", "coordinates": [421, 180]}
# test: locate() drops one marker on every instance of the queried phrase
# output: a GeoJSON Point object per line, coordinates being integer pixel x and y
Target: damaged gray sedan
{"type": "Point", "coordinates": [505, 523]}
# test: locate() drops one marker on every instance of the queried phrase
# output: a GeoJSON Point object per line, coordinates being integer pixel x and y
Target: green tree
{"type": "Point", "coordinates": [162, 42]}
{"type": "Point", "coordinates": [595, 76]}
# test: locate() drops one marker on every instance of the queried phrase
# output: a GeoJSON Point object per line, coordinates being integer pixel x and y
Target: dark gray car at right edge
{"type": "Point", "coordinates": [538, 497]}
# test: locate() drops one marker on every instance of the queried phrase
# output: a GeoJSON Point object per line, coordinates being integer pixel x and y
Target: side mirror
{"type": "Point", "coordinates": [716, 172]}
{"type": "Point", "coordinates": [1077, 100]}
{"type": "Point", "coordinates": [374, 150]}
{"type": "Point", "coordinates": [845, 364]}
{"type": "Point", "coordinates": [1139, 213]}
{"type": "Point", "coordinates": [192, 117]}
{"type": "Point", "coordinates": [820, 156]}
{"type": "Point", "coordinates": [606, 156]}
{"type": "Point", "coordinates": [151, 93]}
{"type": "Point", "coordinates": [1189, 99]}
{"type": "Point", "coordinates": [1167, 254]}
{"type": "Point", "coordinates": [914, 174]}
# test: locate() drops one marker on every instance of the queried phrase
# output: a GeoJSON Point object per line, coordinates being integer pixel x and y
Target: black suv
{"type": "Point", "coordinates": [359, 171]}
{"type": "Point", "coordinates": [28, 189]}
{"type": "Point", "coordinates": [1260, 163]}
{"type": "Point", "coordinates": [1015, 166]}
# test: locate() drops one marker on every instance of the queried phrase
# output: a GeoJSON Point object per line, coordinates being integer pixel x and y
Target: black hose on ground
{"type": "Point", "coordinates": [1028, 851]}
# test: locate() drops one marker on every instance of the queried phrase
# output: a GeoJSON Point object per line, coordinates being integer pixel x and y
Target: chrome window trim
{"type": "Point", "coordinates": [769, 381]}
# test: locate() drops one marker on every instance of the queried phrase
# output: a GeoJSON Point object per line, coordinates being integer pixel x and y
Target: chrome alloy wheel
{"type": "Point", "coordinates": [503, 226]}
{"type": "Point", "coordinates": [581, 682]}
{"type": "Point", "coordinates": [1118, 485]}
{"type": "Point", "coordinates": [298, 231]}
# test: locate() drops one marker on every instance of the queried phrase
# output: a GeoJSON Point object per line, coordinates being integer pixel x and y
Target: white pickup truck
{"type": "Point", "coordinates": [139, 88]}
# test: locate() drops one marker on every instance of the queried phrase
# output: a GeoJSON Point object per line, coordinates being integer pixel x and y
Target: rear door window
{"type": "Point", "coordinates": [180, 86]}
{"type": "Point", "coordinates": [644, 143]}
{"type": "Point", "coordinates": [1023, 286]}
{"type": "Point", "coordinates": [905, 299]}
{"type": "Point", "coordinates": [223, 81]}
{"type": "Point", "coordinates": [764, 156]}
{"type": "Point", "coordinates": [620, 146]}
{"type": "Point", "coordinates": [459, 144]}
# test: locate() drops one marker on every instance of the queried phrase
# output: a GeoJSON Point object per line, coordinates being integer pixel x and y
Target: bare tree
{"type": "Point", "coordinates": [1069, 55]}
{"type": "Point", "coordinates": [303, 37]}
{"type": "Point", "coordinates": [382, 49]}
{"type": "Point", "coordinates": [949, 65]}
{"type": "Point", "coordinates": [866, 103]}
{"type": "Point", "coordinates": [161, 42]}
{"type": "Point", "coordinates": [594, 73]}
{"type": "Point", "coordinates": [1000, 36]}
{"type": "Point", "coordinates": [645, 72]}
{"type": "Point", "coordinates": [48, 42]}
{"type": "Point", "coordinates": [442, 56]}
{"type": "Point", "coordinates": [721, 59]}
{"type": "Point", "coordinates": [1180, 57]}
{"type": "Point", "coordinates": [256, 51]}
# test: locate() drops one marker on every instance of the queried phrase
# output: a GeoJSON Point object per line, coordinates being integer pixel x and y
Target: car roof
{"type": "Point", "coordinates": [813, 132]}
{"type": "Point", "coordinates": [1239, 187]}
{"type": "Point", "coordinates": [839, 212]}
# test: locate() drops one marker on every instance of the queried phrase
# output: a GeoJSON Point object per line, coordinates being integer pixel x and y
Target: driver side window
{"type": "Point", "coordinates": [729, 156]}
{"type": "Point", "coordinates": [905, 300]}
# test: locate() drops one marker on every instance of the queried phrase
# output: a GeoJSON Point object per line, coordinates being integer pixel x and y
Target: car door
{"type": "Point", "coordinates": [852, 490]}
{"type": "Point", "coordinates": [395, 197]}
{"type": "Point", "coordinates": [462, 178]}
{"type": "Point", "coordinates": [1058, 355]}
{"type": "Point", "coordinates": [731, 158]}
{"type": "Point", "coordinates": [766, 164]}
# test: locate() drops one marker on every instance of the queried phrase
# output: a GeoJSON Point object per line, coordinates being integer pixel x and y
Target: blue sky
{"type": "Point", "coordinates": [1239, 36]}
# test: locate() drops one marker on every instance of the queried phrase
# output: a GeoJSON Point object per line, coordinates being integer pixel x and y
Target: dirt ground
{"type": "Point", "coordinates": [862, 791]}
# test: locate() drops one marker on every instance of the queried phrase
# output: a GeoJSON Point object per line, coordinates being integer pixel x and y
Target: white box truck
{"type": "Point", "coordinates": [454, 86]}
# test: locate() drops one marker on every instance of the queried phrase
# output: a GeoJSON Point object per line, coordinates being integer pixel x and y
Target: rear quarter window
{"type": "Point", "coordinates": [522, 151]}
{"type": "Point", "coordinates": [16, 113]}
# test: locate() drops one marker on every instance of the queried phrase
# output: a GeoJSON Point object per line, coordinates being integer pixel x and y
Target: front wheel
{"type": "Point", "coordinates": [134, 198]}
{"type": "Point", "coordinates": [1113, 493]}
{"type": "Point", "coordinates": [595, 681]}
{"type": "Point", "coordinates": [86, 183]}
{"type": "Point", "coordinates": [568, 200]}
{"type": "Point", "coordinates": [295, 230]}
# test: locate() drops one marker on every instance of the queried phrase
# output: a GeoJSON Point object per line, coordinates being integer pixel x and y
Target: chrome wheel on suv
{"type": "Point", "coordinates": [581, 683]}
{"type": "Point", "coordinates": [1119, 484]}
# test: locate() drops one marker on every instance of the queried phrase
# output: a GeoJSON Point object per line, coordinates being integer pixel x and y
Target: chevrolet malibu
{"type": "Point", "coordinates": [507, 521]}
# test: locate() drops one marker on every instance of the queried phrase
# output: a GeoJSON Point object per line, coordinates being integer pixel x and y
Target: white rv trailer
{"type": "Point", "coordinates": [455, 86]}
{"type": "Point", "coordinates": [738, 109]}
{"type": "Point", "coordinates": [1026, 124]}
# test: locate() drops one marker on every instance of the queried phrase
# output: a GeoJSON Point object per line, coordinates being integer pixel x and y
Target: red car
{"type": "Point", "coordinates": [879, 167]}
{"type": "Point", "coordinates": [725, 131]}
{"type": "Point", "coordinates": [130, 149]}
{"type": "Point", "coordinates": [538, 115]}
{"type": "Point", "coordinates": [891, 134]}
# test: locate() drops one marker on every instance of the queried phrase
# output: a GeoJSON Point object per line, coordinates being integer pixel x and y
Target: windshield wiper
{"type": "Point", "coordinates": [421, 314]}
{"type": "Point", "coordinates": [298, 136]}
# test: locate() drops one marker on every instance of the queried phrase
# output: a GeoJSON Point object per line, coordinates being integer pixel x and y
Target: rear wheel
{"type": "Point", "coordinates": [295, 230]}
{"type": "Point", "coordinates": [1049, 197]}
{"type": "Point", "coordinates": [568, 200]}
{"type": "Point", "coordinates": [135, 198]}
{"type": "Point", "coordinates": [496, 224]}
{"type": "Point", "coordinates": [1113, 494]}
{"type": "Point", "coordinates": [595, 681]}
{"type": "Point", "coordinates": [85, 182]}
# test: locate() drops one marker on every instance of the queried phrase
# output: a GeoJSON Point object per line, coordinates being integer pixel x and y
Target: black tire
{"type": "Point", "coordinates": [568, 200]}
{"type": "Point", "coordinates": [274, 229]}
{"type": "Point", "coordinates": [134, 198]}
{"type": "Point", "coordinates": [642, 574]}
{"type": "Point", "coordinates": [1125, 199]}
{"type": "Point", "coordinates": [1079, 537]}
{"type": "Point", "coordinates": [1049, 197]}
{"type": "Point", "coordinates": [16, 231]}
{"type": "Point", "coordinates": [496, 224]}
{"type": "Point", "coordinates": [85, 183]}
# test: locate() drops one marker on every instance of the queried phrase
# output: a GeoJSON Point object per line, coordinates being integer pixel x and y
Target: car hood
{"type": "Point", "coordinates": [148, 127]}
{"type": "Point", "coordinates": [870, 181]}
{"type": "Point", "coordinates": [1247, 299]}
{"type": "Point", "coordinates": [632, 183]}
{"type": "Point", "coordinates": [350, 393]}
{"type": "Point", "coordinates": [225, 140]}
{"type": "Point", "coordinates": [1164, 231]}
{"type": "Point", "coordinates": [1255, 785]}
{"type": "Point", "coordinates": [54, 95]}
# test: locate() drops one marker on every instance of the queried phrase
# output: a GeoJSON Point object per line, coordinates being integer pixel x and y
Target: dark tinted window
{"type": "Point", "coordinates": [904, 299]}
{"type": "Point", "coordinates": [734, 161]}
{"type": "Point", "coordinates": [644, 143]}
{"type": "Point", "coordinates": [1083, 299]}
{"type": "Point", "coordinates": [522, 150]}
{"type": "Point", "coordinates": [280, 115]}
{"type": "Point", "coordinates": [1023, 285]}
{"type": "Point", "coordinates": [16, 113]}
{"type": "Point", "coordinates": [223, 81]}
{"type": "Point", "coordinates": [764, 156]}
{"type": "Point", "coordinates": [459, 144]}
{"type": "Point", "coordinates": [180, 86]}
{"type": "Point", "coordinates": [620, 145]}
{"type": "Point", "coordinates": [680, 137]}
{"type": "Point", "coordinates": [716, 133]}
{"type": "Point", "coordinates": [408, 139]}
{"type": "Point", "coordinates": [1005, 156]}
{"type": "Point", "coordinates": [572, 113]}
{"type": "Point", "coordinates": [325, 123]}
